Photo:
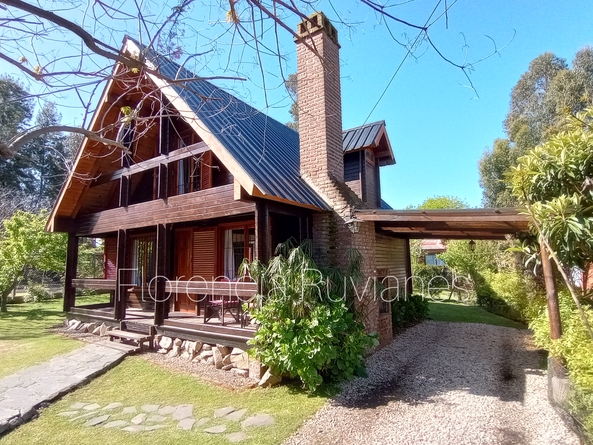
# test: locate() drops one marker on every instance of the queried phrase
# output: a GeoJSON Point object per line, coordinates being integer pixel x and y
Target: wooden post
{"type": "Point", "coordinates": [551, 294]}
{"type": "Point", "coordinates": [163, 260]}
{"type": "Point", "coordinates": [124, 191]}
{"type": "Point", "coordinates": [121, 291]}
{"type": "Point", "coordinates": [409, 283]}
{"type": "Point", "coordinates": [163, 181]}
{"type": "Point", "coordinates": [263, 232]}
{"type": "Point", "coordinates": [71, 267]}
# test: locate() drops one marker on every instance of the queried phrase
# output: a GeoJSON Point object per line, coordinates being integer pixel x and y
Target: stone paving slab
{"type": "Point", "coordinates": [22, 392]}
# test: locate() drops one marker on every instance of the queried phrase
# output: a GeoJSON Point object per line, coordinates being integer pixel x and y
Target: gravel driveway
{"type": "Point", "coordinates": [445, 383]}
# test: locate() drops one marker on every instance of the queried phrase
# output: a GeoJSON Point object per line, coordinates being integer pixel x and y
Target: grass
{"type": "Point", "coordinates": [24, 339]}
{"type": "Point", "coordinates": [461, 313]}
{"type": "Point", "coordinates": [136, 382]}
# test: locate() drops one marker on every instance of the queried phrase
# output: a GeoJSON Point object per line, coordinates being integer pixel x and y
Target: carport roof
{"type": "Point", "coordinates": [448, 224]}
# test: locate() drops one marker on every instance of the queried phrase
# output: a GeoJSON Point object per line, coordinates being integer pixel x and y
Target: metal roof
{"type": "Point", "coordinates": [448, 224]}
{"type": "Point", "coordinates": [361, 137]}
{"type": "Point", "coordinates": [267, 150]}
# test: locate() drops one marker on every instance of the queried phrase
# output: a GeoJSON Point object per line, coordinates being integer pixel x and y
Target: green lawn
{"type": "Point", "coordinates": [136, 382]}
{"type": "Point", "coordinates": [24, 339]}
{"type": "Point", "coordinates": [458, 312]}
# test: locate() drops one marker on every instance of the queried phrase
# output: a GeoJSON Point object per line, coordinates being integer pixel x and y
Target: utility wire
{"type": "Point", "coordinates": [410, 47]}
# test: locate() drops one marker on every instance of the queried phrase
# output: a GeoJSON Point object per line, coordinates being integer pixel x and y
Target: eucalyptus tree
{"type": "Point", "coordinates": [540, 101]}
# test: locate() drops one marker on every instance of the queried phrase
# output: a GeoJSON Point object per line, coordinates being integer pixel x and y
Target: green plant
{"type": "Point", "coordinates": [306, 328]}
{"type": "Point", "coordinates": [38, 293]}
{"type": "Point", "coordinates": [575, 349]}
{"type": "Point", "coordinates": [408, 310]}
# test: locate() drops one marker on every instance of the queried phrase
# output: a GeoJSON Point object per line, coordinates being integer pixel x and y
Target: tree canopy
{"type": "Point", "coordinates": [24, 245]}
{"type": "Point", "coordinates": [441, 202]}
{"type": "Point", "coordinates": [540, 101]}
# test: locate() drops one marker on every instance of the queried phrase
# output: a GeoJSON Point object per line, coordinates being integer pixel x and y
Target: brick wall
{"type": "Point", "coordinates": [322, 160]}
{"type": "Point", "coordinates": [320, 105]}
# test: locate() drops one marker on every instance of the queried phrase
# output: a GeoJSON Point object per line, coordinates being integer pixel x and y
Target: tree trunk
{"type": "Point", "coordinates": [5, 293]}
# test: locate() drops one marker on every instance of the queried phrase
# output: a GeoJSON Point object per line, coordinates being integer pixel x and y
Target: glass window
{"type": "Point", "coordinates": [143, 260]}
{"type": "Point", "coordinates": [236, 249]}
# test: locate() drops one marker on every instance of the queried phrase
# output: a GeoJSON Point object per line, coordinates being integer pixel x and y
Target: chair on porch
{"type": "Point", "coordinates": [221, 301]}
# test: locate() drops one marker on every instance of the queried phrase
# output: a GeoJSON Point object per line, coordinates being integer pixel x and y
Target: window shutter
{"type": "Point", "coordinates": [110, 259]}
{"type": "Point", "coordinates": [206, 170]}
{"type": "Point", "coordinates": [204, 254]}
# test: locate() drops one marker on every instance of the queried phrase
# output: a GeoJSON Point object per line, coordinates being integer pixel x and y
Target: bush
{"type": "Point", "coordinates": [408, 310]}
{"type": "Point", "coordinates": [575, 349]}
{"type": "Point", "coordinates": [425, 273]}
{"type": "Point", "coordinates": [510, 294]}
{"type": "Point", "coordinates": [38, 293]}
{"type": "Point", "coordinates": [328, 344]}
{"type": "Point", "coordinates": [303, 332]}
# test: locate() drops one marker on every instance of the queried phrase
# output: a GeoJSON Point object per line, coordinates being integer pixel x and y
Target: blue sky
{"type": "Point", "coordinates": [438, 127]}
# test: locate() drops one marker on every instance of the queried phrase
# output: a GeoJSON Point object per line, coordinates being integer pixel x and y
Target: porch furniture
{"type": "Point", "coordinates": [139, 338]}
{"type": "Point", "coordinates": [218, 306]}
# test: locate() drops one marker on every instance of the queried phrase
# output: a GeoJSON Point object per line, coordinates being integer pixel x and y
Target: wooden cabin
{"type": "Point", "coordinates": [200, 180]}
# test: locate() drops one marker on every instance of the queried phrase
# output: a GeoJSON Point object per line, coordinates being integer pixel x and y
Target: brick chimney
{"type": "Point", "coordinates": [320, 100]}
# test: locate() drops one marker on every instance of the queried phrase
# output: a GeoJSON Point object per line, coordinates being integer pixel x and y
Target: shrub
{"type": "Point", "coordinates": [328, 344]}
{"type": "Point", "coordinates": [302, 331]}
{"type": "Point", "coordinates": [38, 293]}
{"type": "Point", "coordinates": [425, 273]}
{"type": "Point", "coordinates": [575, 349]}
{"type": "Point", "coordinates": [408, 310]}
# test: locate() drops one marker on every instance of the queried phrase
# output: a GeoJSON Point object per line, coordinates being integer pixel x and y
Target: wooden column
{"type": "Point", "coordinates": [122, 277]}
{"type": "Point", "coordinates": [163, 260]}
{"type": "Point", "coordinates": [551, 294]}
{"type": "Point", "coordinates": [163, 181]}
{"type": "Point", "coordinates": [409, 283]}
{"type": "Point", "coordinates": [124, 191]}
{"type": "Point", "coordinates": [263, 232]}
{"type": "Point", "coordinates": [71, 268]}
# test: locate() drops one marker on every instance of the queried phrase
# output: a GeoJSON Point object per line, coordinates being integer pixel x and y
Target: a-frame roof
{"type": "Point", "coordinates": [266, 150]}
{"type": "Point", "coordinates": [261, 153]}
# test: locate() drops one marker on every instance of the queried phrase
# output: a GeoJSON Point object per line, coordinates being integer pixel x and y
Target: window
{"type": "Point", "coordinates": [433, 260]}
{"type": "Point", "coordinates": [238, 244]}
{"type": "Point", "coordinates": [143, 261]}
{"type": "Point", "coordinates": [126, 135]}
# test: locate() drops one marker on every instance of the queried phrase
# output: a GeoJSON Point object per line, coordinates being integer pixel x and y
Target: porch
{"type": "Point", "coordinates": [226, 328]}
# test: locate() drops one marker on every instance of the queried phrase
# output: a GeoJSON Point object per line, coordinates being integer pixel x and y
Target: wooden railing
{"type": "Point", "coordinates": [93, 283]}
{"type": "Point", "coordinates": [240, 289]}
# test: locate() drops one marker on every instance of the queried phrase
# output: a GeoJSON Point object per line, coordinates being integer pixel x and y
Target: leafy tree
{"type": "Point", "coordinates": [24, 245]}
{"type": "Point", "coordinates": [554, 182]}
{"type": "Point", "coordinates": [291, 86]}
{"type": "Point", "coordinates": [540, 100]}
{"type": "Point", "coordinates": [43, 161]}
{"type": "Point", "coordinates": [16, 109]}
{"type": "Point", "coordinates": [441, 202]}
{"type": "Point", "coordinates": [492, 166]}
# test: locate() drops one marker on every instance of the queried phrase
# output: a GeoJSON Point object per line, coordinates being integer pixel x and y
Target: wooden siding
{"type": "Point", "coordinates": [206, 204]}
{"type": "Point", "coordinates": [370, 180]}
{"type": "Point", "coordinates": [390, 257]}
{"type": "Point", "coordinates": [352, 172]}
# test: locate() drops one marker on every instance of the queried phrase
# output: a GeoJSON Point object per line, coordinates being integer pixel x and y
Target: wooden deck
{"type": "Point", "coordinates": [178, 325]}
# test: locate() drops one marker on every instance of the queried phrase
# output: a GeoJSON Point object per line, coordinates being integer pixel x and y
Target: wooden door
{"type": "Point", "coordinates": [183, 268]}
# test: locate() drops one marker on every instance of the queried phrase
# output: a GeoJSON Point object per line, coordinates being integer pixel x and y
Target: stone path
{"type": "Point", "coordinates": [23, 392]}
{"type": "Point", "coordinates": [233, 423]}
